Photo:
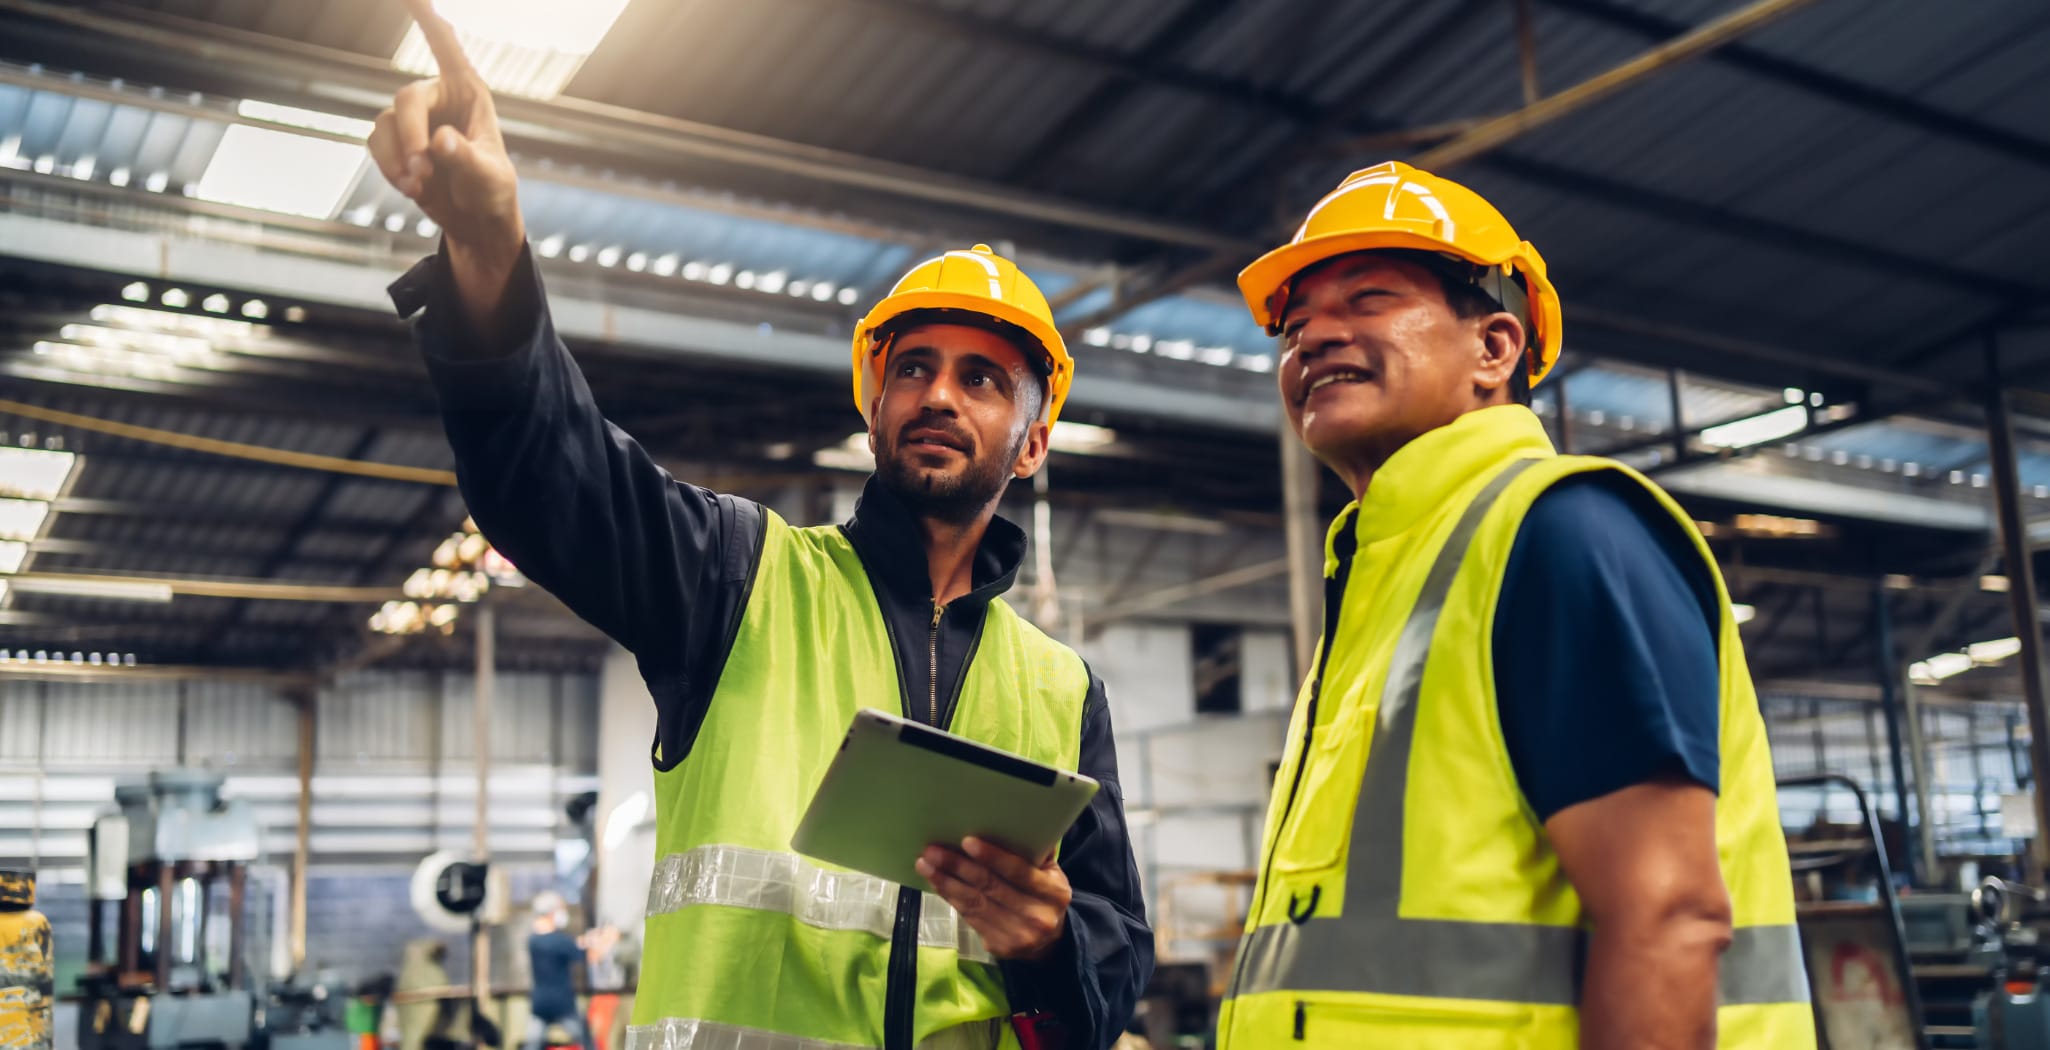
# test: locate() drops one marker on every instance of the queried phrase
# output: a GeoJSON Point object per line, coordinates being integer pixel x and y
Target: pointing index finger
{"type": "Point", "coordinates": [441, 39]}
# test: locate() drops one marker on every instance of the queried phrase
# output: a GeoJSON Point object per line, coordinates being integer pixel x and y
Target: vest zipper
{"type": "Point", "coordinates": [901, 989]}
{"type": "Point", "coordinates": [1334, 600]}
{"type": "Point", "coordinates": [933, 688]}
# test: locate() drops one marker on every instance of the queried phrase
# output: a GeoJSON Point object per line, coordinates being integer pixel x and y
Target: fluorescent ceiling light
{"type": "Point", "coordinates": [33, 473]}
{"type": "Point", "coordinates": [310, 119]}
{"type": "Point", "coordinates": [280, 171]}
{"type": "Point", "coordinates": [1759, 429]}
{"type": "Point", "coordinates": [118, 590]}
{"type": "Point", "coordinates": [200, 328]}
{"type": "Point", "coordinates": [1166, 522]}
{"type": "Point", "coordinates": [1994, 651]}
{"type": "Point", "coordinates": [851, 454]}
{"type": "Point", "coordinates": [1978, 654]}
{"type": "Point", "coordinates": [1743, 613]}
{"type": "Point", "coordinates": [1080, 437]}
{"type": "Point", "coordinates": [22, 519]}
{"type": "Point", "coordinates": [12, 554]}
{"type": "Point", "coordinates": [520, 47]}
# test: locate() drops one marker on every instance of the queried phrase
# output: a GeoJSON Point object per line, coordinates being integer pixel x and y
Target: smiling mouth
{"type": "Point", "coordinates": [933, 442]}
{"type": "Point", "coordinates": [1341, 376]}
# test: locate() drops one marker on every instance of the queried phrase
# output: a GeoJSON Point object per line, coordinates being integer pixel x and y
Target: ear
{"type": "Point", "coordinates": [1501, 350]}
{"type": "Point", "coordinates": [1032, 454]}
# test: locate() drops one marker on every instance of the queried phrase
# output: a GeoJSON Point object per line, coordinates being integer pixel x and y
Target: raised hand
{"type": "Point", "coordinates": [439, 144]}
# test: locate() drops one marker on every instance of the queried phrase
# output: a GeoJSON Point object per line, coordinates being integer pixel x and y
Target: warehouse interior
{"type": "Point", "coordinates": [1797, 243]}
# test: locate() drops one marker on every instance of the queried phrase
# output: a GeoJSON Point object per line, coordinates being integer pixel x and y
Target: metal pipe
{"type": "Point", "coordinates": [1305, 565]}
{"type": "Point", "coordinates": [2021, 576]}
{"type": "Point", "coordinates": [1697, 41]}
{"type": "Point", "coordinates": [302, 839]}
{"type": "Point", "coordinates": [1526, 49]}
{"type": "Point", "coordinates": [487, 685]}
{"type": "Point", "coordinates": [1890, 702]}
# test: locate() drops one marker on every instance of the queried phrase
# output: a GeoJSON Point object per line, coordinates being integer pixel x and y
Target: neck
{"type": "Point", "coordinates": [950, 548]}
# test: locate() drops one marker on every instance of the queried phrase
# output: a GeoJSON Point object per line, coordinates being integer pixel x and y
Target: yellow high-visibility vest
{"type": "Point", "coordinates": [1409, 896]}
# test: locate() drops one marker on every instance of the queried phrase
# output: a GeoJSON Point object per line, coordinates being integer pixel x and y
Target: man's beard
{"type": "Point", "coordinates": [953, 497]}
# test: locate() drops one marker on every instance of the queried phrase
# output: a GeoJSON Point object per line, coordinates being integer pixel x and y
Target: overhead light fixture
{"type": "Point", "coordinates": [118, 177]}
{"type": "Point", "coordinates": [821, 291]}
{"type": "Point", "coordinates": [210, 329]}
{"type": "Point", "coordinates": [1978, 654]}
{"type": "Point", "coordinates": [111, 590]}
{"type": "Point", "coordinates": [214, 304]}
{"type": "Point", "coordinates": [1774, 526]}
{"type": "Point", "coordinates": [745, 279]}
{"type": "Point", "coordinates": [637, 262]}
{"type": "Point", "coordinates": [157, 182]}
{"type": "Point", "coordinates": [550, 247]}
{"type": "Point", "coordinates": [12, 554]}
{"type": "Point", "coordinates": [310, 119]}
{"type": "Point", "coordinates": [22, 519]}
{"type": "Point", "coordinates": [1994, 584]}
{"type": "Point", "coordinates": [693, 271]}
{"type": "Point", "coordinates": [281, 171]}
{"type": "Point", "coordinates": [579, 252]}
{"type": "Point", "coordinates": [665, 266]}
{"type": "Point", "coordinates": [364, 215]}
{"type": "Point", "coordinates": [720, 273]}
{"type": "Point", "coordinates": [1759, 429]}
{"type": "Point", "coordinates": [772, 282]}
{"type": "Point", "coordinates": [520, 47]}
{"type": "Point", "coordinates": [82, 169]}
{"type": "Point", "coordinates": [1162, 521]}
{"type": "Point", "coordinates": [394, 223]}
{"type": "Point", "coordinates": [426, 227]}
{"type": "Point", "coordinates": [175, 298]}
{"type": "Point", "coordinates": [137, 292]}
{"type": "Point", "coordinates": [1256, 362]}
{"type": "Point", "coordinates": [34, 473]}
{"type": "Point", "coordinates": [848, 296]}
{"type": "Point", "coordinates": [256, 309]}
{"type": "Point", "coordinates": [851, 454]}
{"type": "Point", "coordinates": [1743, 613]}
{"type": "Point", "coordinates": [608, 256]}
{"type": "Point", "coordinates": [1083, 438]}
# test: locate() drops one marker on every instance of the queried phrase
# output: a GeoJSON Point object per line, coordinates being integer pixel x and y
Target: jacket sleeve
{"type": "Point", "coordinates": [1094, 978]}
{"type": "Point", "coordinates": [578, 505]}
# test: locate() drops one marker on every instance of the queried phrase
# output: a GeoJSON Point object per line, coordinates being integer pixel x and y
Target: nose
{"type": "Point", "coordinates": [940, 396]}
{"type": "Point", "coordinates": [1320, 334]}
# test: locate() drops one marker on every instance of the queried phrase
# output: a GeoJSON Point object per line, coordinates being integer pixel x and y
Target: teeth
{"type": "Point", "coordinates": [1335, 377]}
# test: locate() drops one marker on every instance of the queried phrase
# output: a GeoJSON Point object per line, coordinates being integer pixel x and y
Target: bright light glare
{"type": "Point", "coordinates": [33, 473]}
{"type": "Point", "coordinates": [12, 554]}
{"type": "Point", "coordinates": [522, 47]}
{"type": "Point", "coordinates": [282, 172]}
{"type": "Point", "coordinates": [1759, 429]}
{"type": "Point", "coordinates": [1743, 613]}
{"type": "Point", "coordinates": [1080, 437]}
{"type": "Point", "coordinates": [22, 519]}
{"type": "Point", "coordinates": [310, 119]}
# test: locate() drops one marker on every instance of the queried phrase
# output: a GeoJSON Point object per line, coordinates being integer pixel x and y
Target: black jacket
{"type": "Point", "coordinates": [663, 567]}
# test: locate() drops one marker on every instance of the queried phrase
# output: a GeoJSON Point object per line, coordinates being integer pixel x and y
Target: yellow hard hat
{"type": "Point", "coordinates": [1393, 205]}
{"type": "Point", "coordinates": [983, 286]}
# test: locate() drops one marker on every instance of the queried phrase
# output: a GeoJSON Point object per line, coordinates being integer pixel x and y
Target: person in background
{"type": "Point", "coordinates": [553, 956]}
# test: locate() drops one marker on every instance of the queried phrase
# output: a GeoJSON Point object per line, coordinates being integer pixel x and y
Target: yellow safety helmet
{"type": "Point", "coordinates": [983, 287]}
{"type": "Point", "coordinates": [1393, 205]}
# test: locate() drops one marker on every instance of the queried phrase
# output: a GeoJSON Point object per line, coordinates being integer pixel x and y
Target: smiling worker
{"type": "Point", "coordinates": [760, 641]}
{"type": "Point", "coordinates": [1526, 800]}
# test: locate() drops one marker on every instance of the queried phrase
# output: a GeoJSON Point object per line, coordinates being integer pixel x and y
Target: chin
{"type": "Point", "coordinates": [1334, 429]}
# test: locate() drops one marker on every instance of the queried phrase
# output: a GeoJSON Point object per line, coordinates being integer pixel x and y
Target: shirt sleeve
{"type": "Point", "coordinates": [1094, 978]}
{"type": "Point", "coordinates": [660, 566]}
{"type": "Point", "coordinates": [1606, 671]}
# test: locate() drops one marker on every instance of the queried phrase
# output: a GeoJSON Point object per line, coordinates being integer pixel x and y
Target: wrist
{"type": "Point", "coordinates": [483, 273]}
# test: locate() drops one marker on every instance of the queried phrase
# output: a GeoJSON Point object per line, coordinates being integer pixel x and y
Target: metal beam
{"type": "Point", "coordinates": [1687, 45]}
{"type": "Point", "coordinates": [1097, 107]}
{"type": "Point", "coordinates": [344, 78]}
{"type": "Point", "coordinates": [2021, 579]}
{"type": "Point", "coordinates": [1875, 102]}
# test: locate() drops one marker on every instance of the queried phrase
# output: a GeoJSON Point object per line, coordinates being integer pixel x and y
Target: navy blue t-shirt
{"type": "Point", "coordinates": [1605, 647]}
{"type": "Point", "coordinates": [553, 957]}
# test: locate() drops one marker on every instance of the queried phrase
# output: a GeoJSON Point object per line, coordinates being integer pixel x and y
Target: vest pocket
{"type": "Point", "coordinates": [1391, 1022]}
{"type": "Point", "coordinates": [1320, 822]}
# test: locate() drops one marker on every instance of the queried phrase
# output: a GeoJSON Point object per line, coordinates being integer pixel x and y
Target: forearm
{"type": "Point", "coordinates": [1652, 986]}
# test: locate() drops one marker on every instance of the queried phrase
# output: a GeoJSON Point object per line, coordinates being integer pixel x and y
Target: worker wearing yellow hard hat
{"type": "Point", "coordinates": [760, 639]}
{"type": "Point", "coordinates": [1526, 799]}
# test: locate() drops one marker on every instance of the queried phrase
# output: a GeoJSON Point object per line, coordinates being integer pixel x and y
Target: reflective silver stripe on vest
{"type": "Point", "coordinates": [690, 1033]}
{"type": "Point", "coordinates": [739, 877]}
{"type": "Point", "coordinates": [1371, 948]}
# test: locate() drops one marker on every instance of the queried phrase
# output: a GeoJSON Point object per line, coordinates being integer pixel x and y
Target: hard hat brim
{"type": "Point", "coordinates": [1263, 281]}
{"type": "Point", "coordinates": [1060, 366]}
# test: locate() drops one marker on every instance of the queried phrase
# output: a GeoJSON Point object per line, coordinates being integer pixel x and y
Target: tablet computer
{"type": "Point", "coordinates": [897, 787]}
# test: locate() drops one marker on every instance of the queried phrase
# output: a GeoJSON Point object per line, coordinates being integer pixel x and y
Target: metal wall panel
{"type": "Point", "coordinates": [378, 716]}
{"type": "Point", "coordinates": [111, 723]}
{"type": "Point", "coordinates": [21, 727]}
{"type": "Point", "coordinates": [238, 724]}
